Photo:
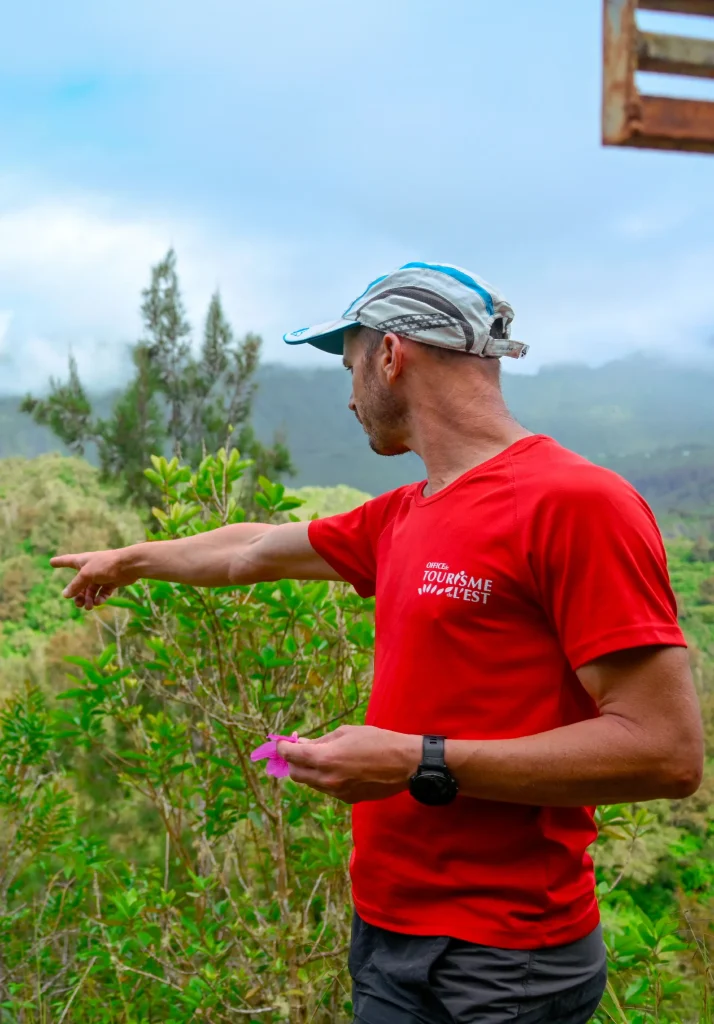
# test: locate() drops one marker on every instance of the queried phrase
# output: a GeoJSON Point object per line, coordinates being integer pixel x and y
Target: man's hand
{"type": "Point", "coordinates": [355, 762]}
{"type": "Point", "coordinates": [99, 573]}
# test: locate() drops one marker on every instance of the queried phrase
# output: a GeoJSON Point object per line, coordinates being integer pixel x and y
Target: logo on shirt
{"type": "Point", "coordinates": [459, 586]}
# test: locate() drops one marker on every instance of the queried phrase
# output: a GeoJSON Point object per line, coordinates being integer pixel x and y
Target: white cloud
{"type": "Point", "coordinates": [650, 223]}
{"type": "Point", "coordinates": [5, 318]}
{"type": "Point", "coordinates": [72, 268]}
{"type": "Point", "coordinates": [72, 272]}
{"type": "Point", "coordinates": [75, 263]}
{"type": "Point", "coordinates": [595, 311]}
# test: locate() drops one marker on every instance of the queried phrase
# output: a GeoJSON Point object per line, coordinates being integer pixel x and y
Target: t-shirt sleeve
{"type": "Point", "coordinates": [600, 568]}
{"type": "Point", "coordinates": [349, 542]}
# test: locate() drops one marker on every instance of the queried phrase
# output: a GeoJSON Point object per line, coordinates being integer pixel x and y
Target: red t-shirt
{"type": "Point", "coordinates": [489, 595]}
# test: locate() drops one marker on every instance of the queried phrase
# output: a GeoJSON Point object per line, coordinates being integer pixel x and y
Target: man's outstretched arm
{"type": "Point", "coordinates": [646, 744]}
{"type": "Point", "coordinates": [237, 554]}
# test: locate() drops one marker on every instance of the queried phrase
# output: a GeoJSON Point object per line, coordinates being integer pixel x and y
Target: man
{"type": "Point", "coordinates": [528, 667]}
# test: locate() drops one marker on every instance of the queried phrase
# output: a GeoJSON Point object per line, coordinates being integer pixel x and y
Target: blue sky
{"type": "Point", "coordinates": [293, 151]}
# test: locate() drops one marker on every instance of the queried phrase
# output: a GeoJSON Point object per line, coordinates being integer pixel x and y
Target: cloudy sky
{"type": "Point", "coordinates": [291, 151]}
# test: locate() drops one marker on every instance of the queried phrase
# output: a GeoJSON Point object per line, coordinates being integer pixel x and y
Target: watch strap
{"type": "Point", "coordinates": [433, 748]}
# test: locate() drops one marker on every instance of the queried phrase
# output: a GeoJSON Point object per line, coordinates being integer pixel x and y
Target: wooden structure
{"type": "Point", "coordinates": [630, 118]}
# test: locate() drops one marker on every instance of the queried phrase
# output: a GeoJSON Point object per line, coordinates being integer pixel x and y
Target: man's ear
{"type": "Point", "coordinates": [392, 356]}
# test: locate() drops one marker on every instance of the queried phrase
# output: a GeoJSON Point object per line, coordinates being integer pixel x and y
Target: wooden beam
{"type": "Point", "coordinates": [665, 123]}
{"type": "Point", "coordinates": [619, 65]}
{"type": "Point", "coordinates": [675, 55]}
{"type": "Point", "coordinates": [704, 8]}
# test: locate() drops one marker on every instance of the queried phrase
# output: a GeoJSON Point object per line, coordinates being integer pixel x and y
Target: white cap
{"type": "Point", "coordinates": [433, 303]}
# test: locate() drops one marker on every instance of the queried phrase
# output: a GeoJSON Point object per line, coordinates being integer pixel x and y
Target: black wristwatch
{"type": "Point", "coordinates": [432, 783]}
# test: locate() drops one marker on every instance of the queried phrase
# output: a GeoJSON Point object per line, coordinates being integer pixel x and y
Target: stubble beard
{"type": "Point", "coordinates": [383, 418]}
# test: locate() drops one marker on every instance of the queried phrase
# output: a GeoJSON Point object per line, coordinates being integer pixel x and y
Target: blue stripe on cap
{"type": "Point", "coordinates": [458, 275]}
{"type": "Point", "coordinates": [370, 285]}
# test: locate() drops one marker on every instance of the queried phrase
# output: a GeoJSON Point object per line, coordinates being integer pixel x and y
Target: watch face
{"type": "Point", "coordinates": [433, 788]}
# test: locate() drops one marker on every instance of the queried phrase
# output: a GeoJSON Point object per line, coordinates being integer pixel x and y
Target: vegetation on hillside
{"type": "Point", "coordinates": [49, 504]}
{"type": "Point", "coordinates": [327, 501]}
{"type": "Point", "coordinates": [150, 872]}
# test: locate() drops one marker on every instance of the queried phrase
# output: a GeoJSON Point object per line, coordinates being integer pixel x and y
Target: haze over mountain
{"type": "Point", "coordinates": [651, 420]}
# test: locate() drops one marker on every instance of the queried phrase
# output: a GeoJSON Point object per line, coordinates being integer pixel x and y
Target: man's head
{"type": "Point", "coordinates": [424, 329]}
{"type": "Point", "coordinates": [394, 378]}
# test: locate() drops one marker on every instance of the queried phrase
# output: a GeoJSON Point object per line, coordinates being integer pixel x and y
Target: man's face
{"type": "Point", "coordinates": [382, 413]}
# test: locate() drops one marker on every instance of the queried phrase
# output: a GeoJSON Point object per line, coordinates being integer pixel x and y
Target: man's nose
{"type": "Point", "coordinates": [351, 404]}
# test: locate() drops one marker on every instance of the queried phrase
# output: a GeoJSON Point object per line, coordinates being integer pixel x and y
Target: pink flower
{"type": "Point", "coordinates": [277, 765]}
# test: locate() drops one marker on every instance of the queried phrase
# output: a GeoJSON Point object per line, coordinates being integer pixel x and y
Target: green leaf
{"type": "Point", "coordinates": [107, 656]}
{"type": "Point", "coordinates": [637, 990]}
{"type": "Point", "coordinates": [154, 477]}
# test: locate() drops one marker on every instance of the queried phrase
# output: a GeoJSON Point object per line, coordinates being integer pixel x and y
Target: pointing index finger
{"type": "Point", "coordinates": [66, 562]}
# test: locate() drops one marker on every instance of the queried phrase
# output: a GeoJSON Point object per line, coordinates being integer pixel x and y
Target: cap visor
{"type": "Point", "coordinates": [327, 337]}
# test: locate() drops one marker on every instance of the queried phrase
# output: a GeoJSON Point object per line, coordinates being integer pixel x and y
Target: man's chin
{"type": "Point", "coordinates": [380, 448]}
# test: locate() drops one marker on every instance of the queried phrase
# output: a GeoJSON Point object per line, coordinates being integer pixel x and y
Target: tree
{"type": "Point", "coordinates": [67, 411]}
{"type": "Point", "coordinates": [177, 401]}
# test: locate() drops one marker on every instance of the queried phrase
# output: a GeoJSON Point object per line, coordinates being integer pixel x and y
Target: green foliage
{"type": "Point", "coordinates": [328, 501]}
{"type": "Point", "coordinates": [49, 504]}
{"type": "Point", "coordinates": [702, 550]}
{"type": "Point", "coordinates": [655, 865]}
{"type": "Point", "coordinates": [175, 401]}
{"type": "Point", "coordinates": [688, 577]}
{"type": "Point", "coordinates": [225, 893]}
{"type": "Point", "coordinates": [655, 895]}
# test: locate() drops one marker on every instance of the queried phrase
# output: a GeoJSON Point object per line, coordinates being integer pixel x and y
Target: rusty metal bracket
{"type": "Point", "coordinates": [630, 118]}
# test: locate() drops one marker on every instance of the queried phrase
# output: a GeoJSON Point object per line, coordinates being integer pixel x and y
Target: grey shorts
{"type": "Point", "coordinates": [408, 979]}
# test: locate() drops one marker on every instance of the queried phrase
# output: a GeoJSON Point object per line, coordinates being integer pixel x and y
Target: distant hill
{"type": "Point", "coordinates": [639, 416]}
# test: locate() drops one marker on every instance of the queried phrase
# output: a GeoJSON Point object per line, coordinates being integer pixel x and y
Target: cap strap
{"type": "Point", "coordinates": [497, 347]}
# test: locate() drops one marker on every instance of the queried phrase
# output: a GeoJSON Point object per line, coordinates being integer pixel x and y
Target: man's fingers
{"type": "Point", "coordinates": [90, 596]}
{"type": "Point", "coordinates": [77, 586]}
{"type": "Point", "coordinates": [328, 737]}
{"type": "Point", "coordinates": [301, 754]}
{"type": "Point", "coordinates": [67, 561]}
{"type": "Point", "coordinates": [320, 741]}
{"type": "Point", "coordinates": [311, 777]}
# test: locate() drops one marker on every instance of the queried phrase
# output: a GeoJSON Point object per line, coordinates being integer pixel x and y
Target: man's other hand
{"type": "Point", "coordinates": [355, 762]}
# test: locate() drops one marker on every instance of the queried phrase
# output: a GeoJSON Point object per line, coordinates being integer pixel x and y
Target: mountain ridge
{"type": "Point", "coordinates": [640, 416]}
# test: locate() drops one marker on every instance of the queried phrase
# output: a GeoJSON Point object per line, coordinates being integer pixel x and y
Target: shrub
{"type": "Point", "coordinates": [211, 889]}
